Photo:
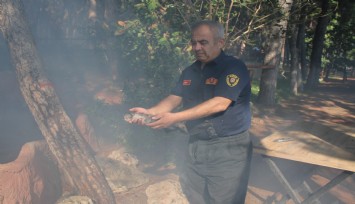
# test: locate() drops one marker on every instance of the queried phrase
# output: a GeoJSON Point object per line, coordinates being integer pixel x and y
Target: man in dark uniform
{"type": "Point", "coordinates": [215, 93]}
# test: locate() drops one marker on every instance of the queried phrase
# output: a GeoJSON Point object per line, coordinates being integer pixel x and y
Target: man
{"type": "Point", "coordinates": [215, 93]}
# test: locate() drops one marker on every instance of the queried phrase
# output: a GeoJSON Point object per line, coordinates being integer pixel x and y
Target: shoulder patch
{"type": "Point", "coordinates": [232, 80]}
{"type": "Point", "coordinates": [186, 82]}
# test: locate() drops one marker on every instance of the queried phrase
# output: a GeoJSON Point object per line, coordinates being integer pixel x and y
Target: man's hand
{"type": "Point", "coordinates": [139, 120]}
{"type": "Point", "coordinates": [163, 120]}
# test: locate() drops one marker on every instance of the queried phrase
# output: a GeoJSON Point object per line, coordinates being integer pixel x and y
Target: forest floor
{"type": "Point", "coordinates": [333, 103]}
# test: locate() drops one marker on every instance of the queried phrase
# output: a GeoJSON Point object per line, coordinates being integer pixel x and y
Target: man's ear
{"type": "Point", "coordinates": [221, 43]}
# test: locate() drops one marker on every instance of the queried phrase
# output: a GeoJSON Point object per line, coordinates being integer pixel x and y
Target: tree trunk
{"type": "Point", "coordinates": [330, 67]}
{"type": "Point", "coordinates": [317, 46]}
{"type": "Point", "coordinates": [110, 19]}
{"type": "Point", "coordinates": [301, 42]}
{"type": "Point", "coordinates": [104, 15]}
{"type": "Point", "coordinates": [345, 74]}
{"type": "Point", "coordinates": [268, 80]}
{"type": "Point", "coordinates": [68, 147]}
{"type": "Point", "coordinates": [293, 31]}
{"type": "Point", "coordinates": [285, 56]}
{"type": "Point", "coordinates": [274, 40]}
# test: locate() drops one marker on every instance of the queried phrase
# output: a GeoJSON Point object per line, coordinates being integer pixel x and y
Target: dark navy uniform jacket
{"type": "Point", "coordinates": [225, 76]}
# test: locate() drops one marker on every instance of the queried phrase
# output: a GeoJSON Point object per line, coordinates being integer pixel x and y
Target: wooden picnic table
{"type": "Point", "coordinates": [328, 147]}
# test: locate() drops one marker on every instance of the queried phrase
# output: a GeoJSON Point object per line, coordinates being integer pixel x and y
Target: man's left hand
{"type": "Point", "coordinates": [163, 120]}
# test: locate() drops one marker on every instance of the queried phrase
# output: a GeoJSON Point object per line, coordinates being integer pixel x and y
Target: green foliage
{"type": "Point", "coordinates": [154, 53]}
{"type": "Point", "coordinates": [243, 20]}
{"type": "Point", "coordinates": [282, 92]}
{"type": "Point", "coordinates": [254, 89]}
{"type": "Point", "coordinates": [340, 40]}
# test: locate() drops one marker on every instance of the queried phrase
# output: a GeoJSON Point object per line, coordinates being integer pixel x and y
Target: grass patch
{"type": "Point", "coordinates": [283, 90]}
{"type": "Point", "coordinates": [254, 90]}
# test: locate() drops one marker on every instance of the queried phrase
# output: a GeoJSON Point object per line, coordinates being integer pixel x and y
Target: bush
{"type": "Point", "coordinates": [154, 54]}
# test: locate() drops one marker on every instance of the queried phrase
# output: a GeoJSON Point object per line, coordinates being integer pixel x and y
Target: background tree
{"type": "Point", "coordinates": [317, 45]}
{"type": "Point", "coordinates": [274, 40]}
{"type": "Point", "coordinates": [301, 35]}
{"type": "Point", "coordinates": [292, 33]}
{"type": "Point", "coordinates": [339, 51]}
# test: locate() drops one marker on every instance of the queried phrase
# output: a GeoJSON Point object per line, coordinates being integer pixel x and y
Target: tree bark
{"type": "Point", "coordinates": [274, 40]}
{"type": "Point", "coordinates": [268, 79]}
{"type": "Point", "coordinates": [104, 15]}
{"type": "Point", "coordinates": [317, 46]}
{"type": "Point", "coordinates": [296, 84]}
{"type": "Point", "coordinates": [111, 12]}
{"type": "Point", "coordinates": [301, 42]}
{"type": "Point", "coordinates": [70, 150]}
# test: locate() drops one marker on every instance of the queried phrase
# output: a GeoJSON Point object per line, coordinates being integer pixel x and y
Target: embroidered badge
{"type": "Point", "coordinates": [186, 82]}
{"type": "Point", "coordinates": [232, 80]}
{"type": "Point", "coordinates": [211, 81]}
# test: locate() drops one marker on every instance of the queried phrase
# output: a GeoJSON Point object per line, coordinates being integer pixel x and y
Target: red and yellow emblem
{"type": "Point", "coordinates": [232, 80]}
{"type": "Point", "coordinates": [211, 81]}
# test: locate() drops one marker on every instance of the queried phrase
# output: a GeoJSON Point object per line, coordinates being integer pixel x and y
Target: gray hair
{"type": "Point", "coordinates": [216, 28]}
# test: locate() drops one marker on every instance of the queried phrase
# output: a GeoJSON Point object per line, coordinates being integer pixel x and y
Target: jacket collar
{"type": "Point", "coordinates": [215, 61]}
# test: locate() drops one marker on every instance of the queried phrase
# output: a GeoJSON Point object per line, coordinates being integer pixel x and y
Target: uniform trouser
{"type": "Point", "coordinates": [217, 170]}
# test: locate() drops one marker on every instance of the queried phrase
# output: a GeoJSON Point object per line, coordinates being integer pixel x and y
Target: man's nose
{"type": "Point", "coordinates": [197, 46]}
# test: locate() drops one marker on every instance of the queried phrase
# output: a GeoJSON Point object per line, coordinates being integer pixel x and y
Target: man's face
{"type": "Point", "coordinates": [204, 45]}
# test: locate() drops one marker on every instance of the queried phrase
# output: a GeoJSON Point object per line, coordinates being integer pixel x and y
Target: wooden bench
{"type": "Point", "coordinates": [330, 147]}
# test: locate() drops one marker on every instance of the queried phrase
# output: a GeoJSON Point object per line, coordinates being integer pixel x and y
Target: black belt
{"type": "Point", "coordinates": [203, 131]}
{"type": "Point", "coordinates": [206, 136]}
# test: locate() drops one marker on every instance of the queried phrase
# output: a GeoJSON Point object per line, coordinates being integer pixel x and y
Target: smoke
{"type": "Point", "coordinates": [72, 50]}
{"type": "Point", "coordinates": [66, 62]}
{"type": "Point", "coordinates": [17, 125]}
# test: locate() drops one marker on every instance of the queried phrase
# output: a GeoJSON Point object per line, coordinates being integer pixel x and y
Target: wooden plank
{"type": "Point", "coordinates": [324, 147]}
{"type": "Point", "coordinates": [282, 179]}
{"type": "Point", "coordinates": [335, 181]}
